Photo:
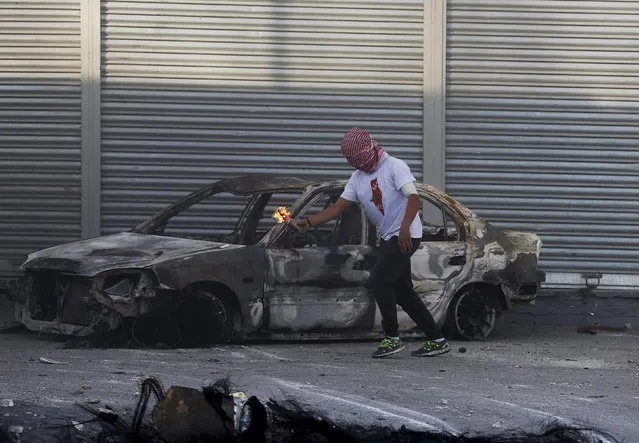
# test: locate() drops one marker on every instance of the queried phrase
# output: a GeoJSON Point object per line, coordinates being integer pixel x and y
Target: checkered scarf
{"type": "Point", "coordinates": [360, 150]}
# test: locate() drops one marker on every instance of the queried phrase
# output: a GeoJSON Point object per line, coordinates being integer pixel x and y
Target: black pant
{"type": "Point", "coordinates": [390, 280]}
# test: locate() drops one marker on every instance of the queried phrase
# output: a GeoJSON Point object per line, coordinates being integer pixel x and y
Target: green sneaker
{"type": "Point", "coordinates": [432, 348]}
{"type": "Point", "coordinates": [389, 346]}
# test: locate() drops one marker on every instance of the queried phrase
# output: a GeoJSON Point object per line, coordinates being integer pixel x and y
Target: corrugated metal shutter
{"type": "Point", "coordinates": [39, 127]}
{"type": "Point", "coordinates": [198, 91]}
{"type": "Point", "coordinates": [542, 125]}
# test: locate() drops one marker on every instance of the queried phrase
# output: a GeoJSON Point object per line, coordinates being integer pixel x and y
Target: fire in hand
{"type": "Point", "coordinates": [283, 215]}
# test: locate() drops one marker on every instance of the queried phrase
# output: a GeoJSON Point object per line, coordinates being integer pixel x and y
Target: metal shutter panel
{"type": "Point", "coordinates": [201, 91]}
{"type": "Point", "coordinates": [542, 126]}
{"type": "Point", "coordinates": [40, 88]}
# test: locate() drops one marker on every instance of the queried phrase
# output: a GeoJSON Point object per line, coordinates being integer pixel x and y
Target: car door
{"type": "Point", "coordinates": [315, 282]}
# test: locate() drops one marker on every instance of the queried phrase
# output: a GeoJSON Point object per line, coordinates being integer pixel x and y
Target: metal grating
{"type": "Point", "coordinates": [542, 125]}
{"type": "Point", "coordinates": [199, 91]}
{"type": "Point", "coordinates": [39, 127]}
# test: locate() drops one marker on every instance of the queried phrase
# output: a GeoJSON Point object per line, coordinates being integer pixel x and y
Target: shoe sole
{"type": "Point", "coordinates": [390, 353]}
{"type": "Point", "coordinates": [432, 353]}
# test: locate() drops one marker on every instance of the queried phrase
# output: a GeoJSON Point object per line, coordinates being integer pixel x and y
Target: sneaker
{"type": "Point", "coordinates": [432, 348]}
{"type": "Point", "coordinates": [389, 346]}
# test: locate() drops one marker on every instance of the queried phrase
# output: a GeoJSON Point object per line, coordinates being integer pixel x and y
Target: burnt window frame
{"type": "Point", "coordinates": [446, 215]}
{"type": "Point", "coordinates": [301, 206]}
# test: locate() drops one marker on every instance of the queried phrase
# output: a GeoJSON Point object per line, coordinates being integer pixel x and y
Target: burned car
{"type": "Point", "coordinates": [189, 285]}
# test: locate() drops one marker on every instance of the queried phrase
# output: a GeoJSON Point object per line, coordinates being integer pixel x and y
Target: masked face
{"type": "Point", "coordinates": [360, 150]}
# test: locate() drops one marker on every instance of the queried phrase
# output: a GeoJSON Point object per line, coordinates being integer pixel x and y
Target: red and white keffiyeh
{"type": "Point", "coordinates": [360, 150]}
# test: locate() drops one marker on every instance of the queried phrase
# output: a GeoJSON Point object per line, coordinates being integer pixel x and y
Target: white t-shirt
{"type": "Point", "coordinates": [379, 193]}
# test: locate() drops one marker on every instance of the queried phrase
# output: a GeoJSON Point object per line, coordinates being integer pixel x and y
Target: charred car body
{"type": "Point", "coordinates": [266, 281]}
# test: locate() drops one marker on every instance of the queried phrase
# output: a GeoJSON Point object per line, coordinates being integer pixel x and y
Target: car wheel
{"type": "Point", "coordinates": [469, 316]}
{"type": "Point", "coordinates": [205, 318]}
{"type": "Point", "coordinates": [155, 330]}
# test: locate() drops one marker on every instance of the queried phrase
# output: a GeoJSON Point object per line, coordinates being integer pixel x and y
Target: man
{"type": "Point", "coordinates": [384, 186]}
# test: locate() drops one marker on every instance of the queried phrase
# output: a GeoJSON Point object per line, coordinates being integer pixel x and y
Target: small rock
{"type": "Point", "coordinates": [322, 375]}
{"type": "Point", "coordinates": [6, 402]}
{"type": "Point", "coordinates": [444, 402]}
{"type": "Point", "coordinates": [586, 367]}
{"type": "Point", "coordinates": [214, 360]}
{"type": "Point", "coordinates": [180, 351]}
{"type": "Point", "coordinates": [86, 388]}
{"type": "Point", "coordinates": [119, 372]}
{"type": "Point", "coordinates": [518, 366]}
{"type": "Point", "coordinates": [94, 401]}
{"type": "Point", "coordinates": [442, 370]}
{"type": "Point", "coordinates": [462, 350]}
{"type": "Point", "coordinates": [78, 392]}
{"type": "Point", "coordinates": [498, 425]}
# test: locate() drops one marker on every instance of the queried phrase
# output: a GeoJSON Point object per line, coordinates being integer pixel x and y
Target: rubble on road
{"type": "Point", "coordinates": [216, 414]}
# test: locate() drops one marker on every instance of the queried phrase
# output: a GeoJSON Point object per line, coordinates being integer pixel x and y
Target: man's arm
{"type": "Point", "coordinates": [404, 182]}
{"type": "Point", "coordinates": [412, 207]}
{"type": "Point", "coordinates": [327, 214]}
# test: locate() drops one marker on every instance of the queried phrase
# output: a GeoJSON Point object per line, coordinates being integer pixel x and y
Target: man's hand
{"type": "Point", "coordinates": [404, 240]}
{"type": "Point", "coordinates": [304, 224]}
{"type": "Point", "coordinates": [327, 214]}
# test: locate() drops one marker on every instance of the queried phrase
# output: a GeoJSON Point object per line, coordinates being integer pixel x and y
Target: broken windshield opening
{"type": "Point", "coordinates": [224, 217]}
{"type": "Point", "coordinates": [211, 219]}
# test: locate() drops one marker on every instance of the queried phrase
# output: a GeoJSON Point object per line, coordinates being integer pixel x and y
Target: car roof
{"type": "Point", "coordinates": [251, 184]}
{"type": "Point", "coordinates": [243, 185]}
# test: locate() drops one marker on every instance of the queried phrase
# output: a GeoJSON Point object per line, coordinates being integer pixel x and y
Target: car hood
{"type": "Point", "coordinates": [124, 250]}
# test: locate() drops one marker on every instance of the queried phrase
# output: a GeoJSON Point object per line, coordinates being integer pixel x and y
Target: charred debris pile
{"type": "Point", "coordinates": [216, 414]}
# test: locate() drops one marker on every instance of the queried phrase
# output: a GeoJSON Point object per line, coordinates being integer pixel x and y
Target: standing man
{"type": "Point", "coordinates": [384, 186]}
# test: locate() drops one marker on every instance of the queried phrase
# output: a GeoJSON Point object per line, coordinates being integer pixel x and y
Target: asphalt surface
{"type": "Point", "coordinates": [517, 379]}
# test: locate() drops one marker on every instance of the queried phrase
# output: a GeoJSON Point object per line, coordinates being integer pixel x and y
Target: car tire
{"type": "Point", "coordinates": [469, 317]}
{"type": "Point", "coordinates": [206, 318]}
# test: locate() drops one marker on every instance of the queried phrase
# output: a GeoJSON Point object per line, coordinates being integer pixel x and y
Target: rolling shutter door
{"type": "Point", "coordinates": [542, 101]}
{"type": "Point", "coordinates": [40, 89]}
{"type": "Point", "coordinates": [199, 91]}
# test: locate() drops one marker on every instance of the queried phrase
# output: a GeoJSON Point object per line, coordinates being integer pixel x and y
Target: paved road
{"type": "Point", "coordinates": [514, 380]}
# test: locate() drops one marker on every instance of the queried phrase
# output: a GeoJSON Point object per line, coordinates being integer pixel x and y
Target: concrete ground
{"type": "Point", "coordinates": [520, 378]}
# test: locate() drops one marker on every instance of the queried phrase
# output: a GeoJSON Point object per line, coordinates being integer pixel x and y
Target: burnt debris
{"type": "Point", "coordinates": [216, 414]}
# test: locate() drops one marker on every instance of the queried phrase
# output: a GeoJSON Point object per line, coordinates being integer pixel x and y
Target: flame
{"type": "Point", "coordinates": [282, 215]}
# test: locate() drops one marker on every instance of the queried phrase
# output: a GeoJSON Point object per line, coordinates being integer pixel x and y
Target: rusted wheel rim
{"type": "Point", "coordinates": [474, 319]}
